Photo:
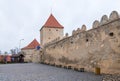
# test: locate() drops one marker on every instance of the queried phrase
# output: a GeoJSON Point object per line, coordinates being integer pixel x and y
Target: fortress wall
{"type": "Point", "coordinates": [98, 47]}
{"type": "Point", "coordinates": [36, 56]}
{"type": "Point", "coordinates": [28, 55]}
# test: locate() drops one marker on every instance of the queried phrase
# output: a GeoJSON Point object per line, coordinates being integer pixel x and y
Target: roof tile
{"type": "Point", "coordinates": [52, 23]}
{"type": "Point", "coordinates": [32, 45]}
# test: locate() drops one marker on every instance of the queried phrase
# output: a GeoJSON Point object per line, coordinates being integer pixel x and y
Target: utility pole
{"type": "Point", "coordinates": [20, 44]}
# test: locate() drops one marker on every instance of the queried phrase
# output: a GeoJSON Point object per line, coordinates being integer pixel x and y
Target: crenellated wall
{"type": "Point", "coordinates": [97, 47]}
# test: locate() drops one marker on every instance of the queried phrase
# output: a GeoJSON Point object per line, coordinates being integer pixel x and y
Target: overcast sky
{"type": "Point", "coordinates": [22, 19]}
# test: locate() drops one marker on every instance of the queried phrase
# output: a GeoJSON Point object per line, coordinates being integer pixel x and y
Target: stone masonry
{"type": "Point", "coordinates": [97, 47]}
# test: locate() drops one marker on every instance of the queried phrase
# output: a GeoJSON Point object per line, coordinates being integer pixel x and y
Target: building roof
{"type": "Point", "coordinates": [52, 23]}
{"type": "Point", "coordinates": [32, 45]}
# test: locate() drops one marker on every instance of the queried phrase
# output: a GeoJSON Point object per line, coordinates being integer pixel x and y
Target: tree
{"type": "Point", "coordinates": [0, 52]}
{"type": "Point", "coordinates": [5, 52]}
{"type": "Point", "coordinates": [14, 51]}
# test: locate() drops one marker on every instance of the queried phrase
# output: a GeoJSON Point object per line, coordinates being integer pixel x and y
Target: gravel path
{"type": "Point", "coordinates": [40, 72]}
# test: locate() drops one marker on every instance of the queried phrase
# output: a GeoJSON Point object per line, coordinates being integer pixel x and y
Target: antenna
{"type": "Point", "coordinates": [52, 4]}
{"type": "Point", "coordinates": [51, 10]}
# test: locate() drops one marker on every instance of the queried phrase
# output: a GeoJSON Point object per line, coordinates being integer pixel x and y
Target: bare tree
{"type": "Point", "coordinates": [5, 52]}
{"type": "Point", "coordinates": [0, 52]}
{"type": "Point", "coordinates": [14, 51]}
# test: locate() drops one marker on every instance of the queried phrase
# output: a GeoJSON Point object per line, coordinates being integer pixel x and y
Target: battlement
{"type": "Point", "coordinates": [105, 20]}
{"type": "Point", "coordinates": [114, 16]}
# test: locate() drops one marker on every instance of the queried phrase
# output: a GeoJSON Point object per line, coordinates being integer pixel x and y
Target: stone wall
{"type": "Point", "coordinates": [36, 56]}
{"type": "Point", "coordinates": [97, 47]}
{"type": "Point", "coordinates": [49, 34]}
{"type": "Point", "coordinates": [28, 53]}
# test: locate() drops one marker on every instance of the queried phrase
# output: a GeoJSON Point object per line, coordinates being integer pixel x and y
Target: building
{"type": "Point", "coordinates": [5, 58]}
{"type": "Point", "coordinates": [51, 30]}
{"type": "Point", "coordinates": [29, 50]}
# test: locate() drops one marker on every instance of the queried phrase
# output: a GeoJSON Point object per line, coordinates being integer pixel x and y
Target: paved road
{"type": "Point", "coordinates": [40, 72]}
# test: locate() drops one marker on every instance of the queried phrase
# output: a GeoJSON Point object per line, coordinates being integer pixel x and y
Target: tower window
{"type": "Point", "coordinates": [57, 30]}
{"type": "Point", "coordinates": [49, 29]}
{"type": "Point", "coordinates": [86, 40]}
{"type": "Point", "coordinates": [71, 42]}
{"type": "Point", "coordinates": [49, 38]}
{"type": "Point", "coordinates": [111, 34]}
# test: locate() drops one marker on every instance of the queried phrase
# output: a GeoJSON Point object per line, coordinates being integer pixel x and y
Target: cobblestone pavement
{"type": "Point", "coordinates": [111, 77]}
{"type": "Point", "coordinates": [40, 72]}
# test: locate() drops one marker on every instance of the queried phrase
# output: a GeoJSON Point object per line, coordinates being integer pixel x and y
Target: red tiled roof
{"type": "Point", "coordinates": [52, 23]}
{"type": "Point", "coordinates": [32, 45]}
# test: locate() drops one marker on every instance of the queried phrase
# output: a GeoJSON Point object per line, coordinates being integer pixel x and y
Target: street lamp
{"type": "Point", "coordinates": [20, 44]}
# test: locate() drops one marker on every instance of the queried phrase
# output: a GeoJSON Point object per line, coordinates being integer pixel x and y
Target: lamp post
{"type": "Point", "coordinates": [20, 44]}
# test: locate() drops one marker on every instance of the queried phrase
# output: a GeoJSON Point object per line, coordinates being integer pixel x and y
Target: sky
{"type": "Point", "coordinates": [22, 19]}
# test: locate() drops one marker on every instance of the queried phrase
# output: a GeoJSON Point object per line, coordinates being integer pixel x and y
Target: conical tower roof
{"type": "Point", "coordinates": [52, 23]}
{"type": "Point", "coordinates": [32, 45]}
